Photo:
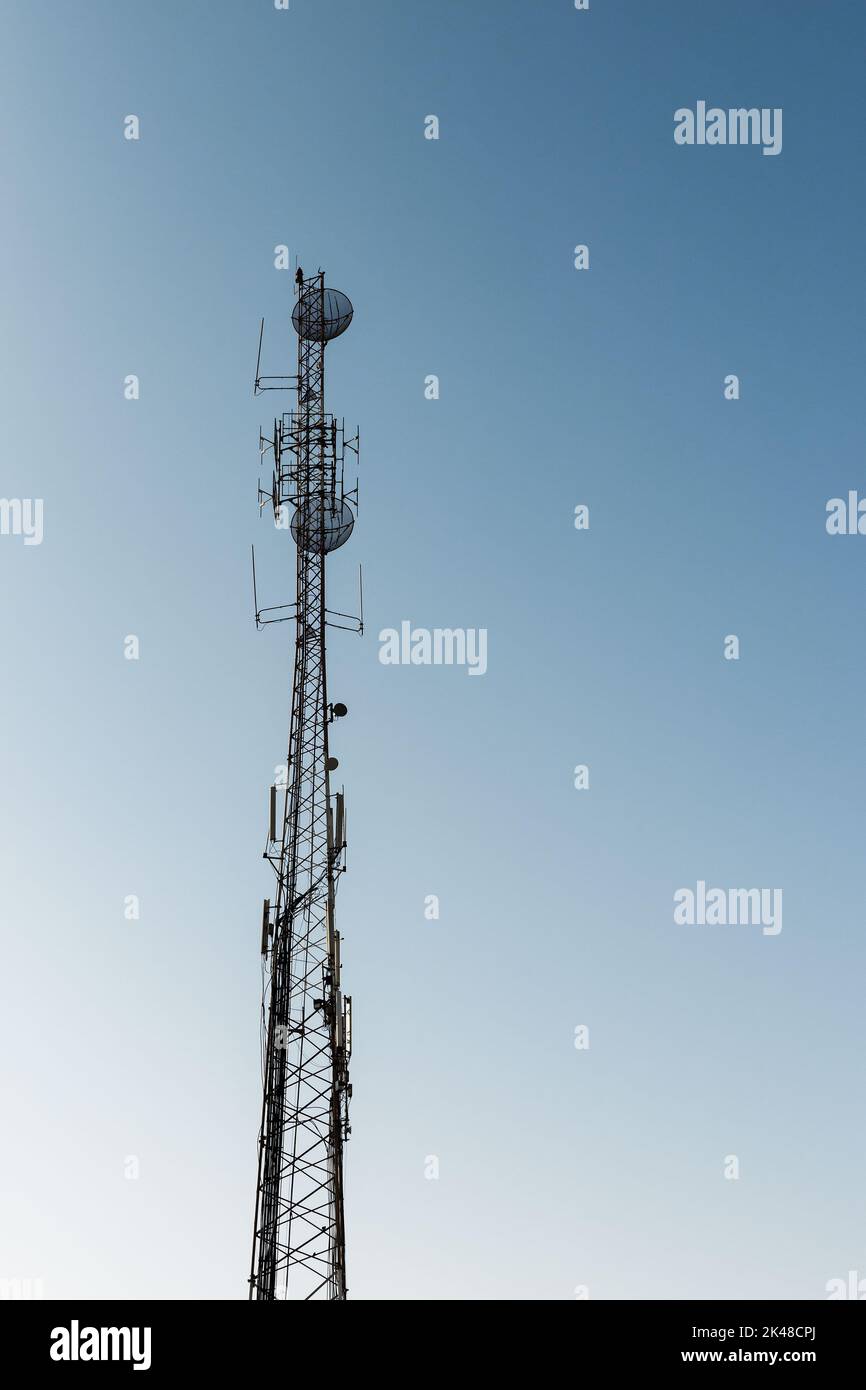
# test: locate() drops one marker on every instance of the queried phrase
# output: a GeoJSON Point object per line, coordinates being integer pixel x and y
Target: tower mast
{"type": "Point", "coordinates": [299, 1246]}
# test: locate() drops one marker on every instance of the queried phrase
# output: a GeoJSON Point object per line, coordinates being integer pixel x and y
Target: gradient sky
{"type": "Point", "coordinates": [558, 1168]}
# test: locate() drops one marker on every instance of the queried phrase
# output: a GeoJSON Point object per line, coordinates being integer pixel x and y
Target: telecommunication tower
{"type": "Point", "coordinates": [299, 1243]}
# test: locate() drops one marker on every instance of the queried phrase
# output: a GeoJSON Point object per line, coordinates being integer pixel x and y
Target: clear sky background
{"type": "Point", "coordinates": [558, 1168]}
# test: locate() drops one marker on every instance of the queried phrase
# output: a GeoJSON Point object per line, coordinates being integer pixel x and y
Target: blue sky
{"type": "Point", "coordinates": [558, 1168]}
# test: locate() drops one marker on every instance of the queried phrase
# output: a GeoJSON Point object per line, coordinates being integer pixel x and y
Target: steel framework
{"type": "Point", "coordinates": [299, 1246]}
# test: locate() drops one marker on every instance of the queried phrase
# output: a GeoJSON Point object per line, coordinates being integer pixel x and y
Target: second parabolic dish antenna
{"type": "Point", "coordinates": [322, 315]}
{"type": "Point", "coordinates": [319, 525]}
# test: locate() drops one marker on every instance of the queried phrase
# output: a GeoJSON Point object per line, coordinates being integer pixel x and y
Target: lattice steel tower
{"type": "Point", "coordinates": [299, 1247]}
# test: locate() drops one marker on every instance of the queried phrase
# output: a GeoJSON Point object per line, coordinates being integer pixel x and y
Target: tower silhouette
{"type": "Point", "coordinates": [299, 1244]}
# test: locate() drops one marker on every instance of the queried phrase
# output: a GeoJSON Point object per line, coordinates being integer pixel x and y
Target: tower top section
{"type": "Point", "coordinates": [309, 446]}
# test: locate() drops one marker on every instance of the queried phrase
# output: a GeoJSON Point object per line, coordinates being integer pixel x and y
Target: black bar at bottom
{"type": "Point", "coordinates": [158, 1339]}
